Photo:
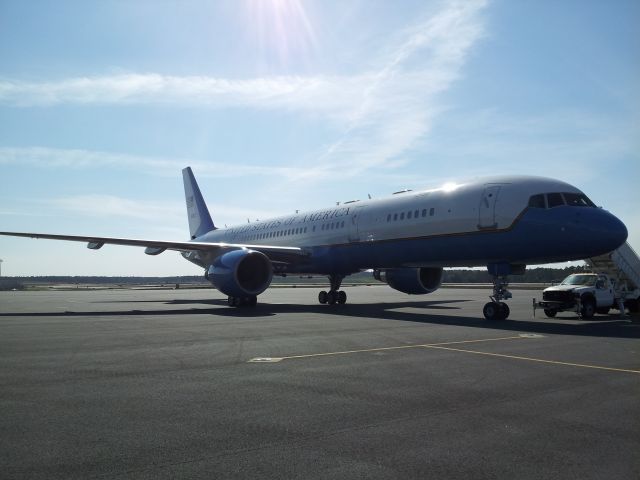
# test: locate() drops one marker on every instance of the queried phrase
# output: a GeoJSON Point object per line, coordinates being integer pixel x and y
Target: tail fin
{"type": "Point", "coordinates": [199, 219]}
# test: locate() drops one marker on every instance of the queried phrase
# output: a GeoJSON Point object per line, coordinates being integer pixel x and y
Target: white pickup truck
{"type": "Point", "coordinates": [587, 294]}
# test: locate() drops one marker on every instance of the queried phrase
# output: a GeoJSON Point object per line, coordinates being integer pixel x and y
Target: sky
{"type": "Point", "coordinates": [284, 105]}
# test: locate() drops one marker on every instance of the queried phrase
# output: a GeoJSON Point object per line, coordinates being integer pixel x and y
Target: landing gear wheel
{"type": "Point", "coordinates": [550, 312]}
{"type": "Point", "coordinates": [504, 311]}
{"type": "Point", "coordinates": [491, 311]}
{"type": "Point", "coordinates": [342, 297]}
{"type": "Point", "coordinates": [322, 297]}
{"type": "Point", "coordinates": [588, 309]}
{"type": "Point", "coordinates": [332, 297]}
{"type": "Point", "coordinates": [250, 301]}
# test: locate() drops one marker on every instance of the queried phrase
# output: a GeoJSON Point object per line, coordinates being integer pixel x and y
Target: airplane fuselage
{"type": "Point", "coordinates": [475, 223]}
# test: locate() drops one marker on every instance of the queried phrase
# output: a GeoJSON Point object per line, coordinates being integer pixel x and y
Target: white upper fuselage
{"type": "Point", "coordinates": [456, 208]}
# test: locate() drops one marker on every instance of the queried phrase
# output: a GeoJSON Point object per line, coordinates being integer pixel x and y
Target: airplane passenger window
{"type": "Point", "coordinates": [432, 212]}
{"type": "Point", "coordinates": [415, 214]}
{"type": "Point", "coordinates": [402, 216]}
{"type": "Point", "coordinates": [424, 212]}
{"type": "Point", "coordinates": [537, 201]}
{"type": "Point", "coordinates": [342, 224]}
{"type": "Point", "coordinates": [395, 217]}
{"type": "Point", "coordinates": [578, 200]}
{"type": "Point", "coordinates": [389, 218]}
{"type": "Point", "coordinates": [409, 214]}
{"type": "Point", "coordinates": [555, 200]}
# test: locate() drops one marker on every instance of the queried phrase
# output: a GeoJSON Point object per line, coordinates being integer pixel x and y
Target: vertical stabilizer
{"type": "Point", "coordinates": [199, 219]}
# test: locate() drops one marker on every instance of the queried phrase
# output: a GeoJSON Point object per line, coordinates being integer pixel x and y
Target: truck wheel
{"type": "Point", "coordinates": [603, 310]}
{"type": "Point", "coordinates": [588, 308]}
{"type": "Point", "coordinates": [550, 313]}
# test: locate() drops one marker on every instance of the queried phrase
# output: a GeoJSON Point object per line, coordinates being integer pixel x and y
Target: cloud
{"type": "Point", "coordinates": [564, 143]}
{"type": "Point", "coordinates": [325, 95]}
{"type": "Point", "coordinates": [381, 113]}
{"type": "Point", "coordinates": [172, 213]}
{"type": "Point", "coordinates": [113, 206]}
{"type": "Point", "coordinates": [78, 159]}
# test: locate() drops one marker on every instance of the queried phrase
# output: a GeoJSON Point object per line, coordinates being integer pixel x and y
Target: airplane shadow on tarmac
{"type": "Point", "coordinates": [433, 312]}
{"type": "Point", "coordinates": [427, 312]}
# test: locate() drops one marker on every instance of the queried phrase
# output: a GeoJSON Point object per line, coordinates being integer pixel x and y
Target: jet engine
{"type": "Point", "coordinates": [241, 273]}
{"type": "Point", "coordinates": [414, 281]}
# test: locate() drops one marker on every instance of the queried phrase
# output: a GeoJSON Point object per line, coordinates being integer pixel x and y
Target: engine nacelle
{"type": "Point", "coordinates": [414, 281]}
{"type": "Point", "coordinates": [241, 273]}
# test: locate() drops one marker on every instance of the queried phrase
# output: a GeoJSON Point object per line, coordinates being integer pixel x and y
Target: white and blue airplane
{"type": "Point", "coordinates": [503, 223]}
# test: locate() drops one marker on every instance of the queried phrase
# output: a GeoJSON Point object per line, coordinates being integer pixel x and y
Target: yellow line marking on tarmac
{"type": "Point", "coordinates": [540, 360]}
{"type": "Point", "coordinates": [381, 349]}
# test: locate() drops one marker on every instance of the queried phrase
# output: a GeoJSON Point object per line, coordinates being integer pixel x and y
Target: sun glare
{"type": "Point", "coordinates": [449, 187]}
{"type": "Point", "coordinates": [281, 28]}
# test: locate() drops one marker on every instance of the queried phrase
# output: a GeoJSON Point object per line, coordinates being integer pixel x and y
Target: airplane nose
{"type": "Point", "coordinates": [613, 232]}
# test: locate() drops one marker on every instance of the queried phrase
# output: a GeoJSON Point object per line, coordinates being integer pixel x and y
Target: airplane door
{"type": "Point", "coordinates": [356, 223]}
{"type": "Point", "coordinates": [487, 209]}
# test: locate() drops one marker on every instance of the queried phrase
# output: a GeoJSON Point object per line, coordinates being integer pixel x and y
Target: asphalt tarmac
{"type": "Point", "coordinates": [175, 384]}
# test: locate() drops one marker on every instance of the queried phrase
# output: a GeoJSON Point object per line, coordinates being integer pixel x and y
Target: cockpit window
{"type": "Point", "coordinates": [578, 200]}
{"type": "Point", "coordinates": [555, 200]}
{"type": "Point", "coordinates": [537, 201]}
{"type": "Point", "coordinates": [559, 199]}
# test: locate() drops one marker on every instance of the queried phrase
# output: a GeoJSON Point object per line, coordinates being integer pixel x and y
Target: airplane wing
{"type": "Point", "coordinates": [155, 247]}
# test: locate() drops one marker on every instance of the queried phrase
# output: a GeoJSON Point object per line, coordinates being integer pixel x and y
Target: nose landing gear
{"type": "Point", "coordinates": [496, 309]}
{"type": "Point", "coordinates": [334, 295]}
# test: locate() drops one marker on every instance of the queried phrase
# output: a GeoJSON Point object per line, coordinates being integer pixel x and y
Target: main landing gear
{"type": "Point", "coordinates": [496, 309]}
{"type": "Point", "coordinates": [250, 301]}
{"type": "Point", "coordinates": [334, 295]}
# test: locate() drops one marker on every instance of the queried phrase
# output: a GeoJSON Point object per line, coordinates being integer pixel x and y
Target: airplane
{"type": "Point", "coordinates": [502, 223]}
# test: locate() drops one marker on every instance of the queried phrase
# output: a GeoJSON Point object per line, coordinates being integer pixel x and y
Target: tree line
{"type": "Point", "coordinates": [534, 275]}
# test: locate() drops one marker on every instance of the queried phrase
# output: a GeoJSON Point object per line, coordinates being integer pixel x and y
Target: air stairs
{"type": "Point", "coordinates": [622, 266]}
